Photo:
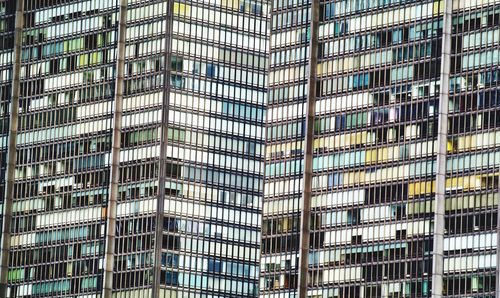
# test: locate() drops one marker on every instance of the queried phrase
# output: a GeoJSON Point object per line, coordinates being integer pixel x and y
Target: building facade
{"type": "Point", "coordinates": [134, 162]}
{"type": "Point", "coordinates": [382, 161]}
{"type": "Point", "coordinates": [134, 134]}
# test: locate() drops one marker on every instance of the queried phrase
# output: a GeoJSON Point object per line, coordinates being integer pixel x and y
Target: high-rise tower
{"type": "Point", "coordinates": [382, 161]}
{"type": "Point", "coordinates": [140, 143]}
{"type": "Point", "coordinates": [134, 134]}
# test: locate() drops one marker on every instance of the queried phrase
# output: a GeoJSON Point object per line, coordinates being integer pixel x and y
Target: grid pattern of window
{"type": "Point", "coordinates": [214, 169]}
{"type": "Point", "coordinates": [189, 157]}
{"type": "Point", "coordinates": [140, 141]}
{"type": "Point", "coordinates": [379, 152]}
{"type": "Point", "coordinates": [404, 134]}
{"type": "Point", "coordinates": [290, 36]}
{"type": "Point", "coordinates": [63, 146]}
{"type": "Point", "coordinates": [472, 164]}
{"type": "Point", "coordinates": [374, 164]}
{"type": "Point", "coordinates": [7, 11]}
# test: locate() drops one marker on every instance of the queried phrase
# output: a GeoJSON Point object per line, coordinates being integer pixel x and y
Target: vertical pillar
{"type": "Point", "coordinates": [442, 137]}
{"type": "Point", "coordinates": [305, 216]}
{"type": "Point", "coordinates": [11, 149]}
{"type": "Point", "coordinates": [109, 252]}
{"type": "Point", "coordinates": [160, 208]}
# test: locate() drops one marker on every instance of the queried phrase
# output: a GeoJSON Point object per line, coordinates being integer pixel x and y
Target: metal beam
{"type": "Point", "coordinates": [442, 138]}
{"type": "Point", "coordinates": [11, 149]}
{"type": "Point", "coordinates": [109, 252]}
{"type": "Point", "coordinates": [305, 207]}
{"type": "Point", "coordinates": [160, 208]}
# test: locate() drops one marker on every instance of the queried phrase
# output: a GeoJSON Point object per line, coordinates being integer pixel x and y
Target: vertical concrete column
{"type": "Point", "coordinates": [109, 252]}
{"type": "Point", "coordinates": [160, 208]}
{"type": "Point", "coordinates": [305, 207]}
{"type": "Point", "coordinates": [442, 138]}
{"type": "Point", "coordinates": [11, 149]}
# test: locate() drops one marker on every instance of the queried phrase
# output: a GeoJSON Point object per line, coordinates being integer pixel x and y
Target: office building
{"type": "Point", "coordinates": [134, 134]}
{"type": "Point", "coordinates": [135, 168]}
{"type": "Point", "coordinates": [382, 162]}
